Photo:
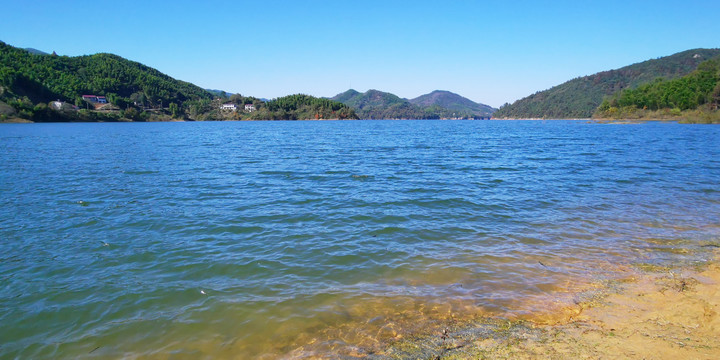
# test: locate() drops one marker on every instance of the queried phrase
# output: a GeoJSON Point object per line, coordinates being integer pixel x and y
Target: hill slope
{"type": "Point", "coordinates": [30, 82]}
{"type": "Point", "coordinates": [453, 102]}
{"type": "Point", "coordinates": [374, 104]}
{"type": "Point", "coordinates": [580, 97]}
{"type": "Point", "coordinates": [41, 78]}
{"type": "Point", "coordinates": [691, 98]}
{"type": "Point", "coordinates": [371, 99]}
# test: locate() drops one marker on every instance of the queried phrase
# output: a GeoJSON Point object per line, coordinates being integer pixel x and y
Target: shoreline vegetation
{"type": "Point", "coordinates": [37, 87]}
{"type": "Point", "coordinates": [17, 120]}
{"type": "Point", "coordinates": [650, 311]}
{"type": "Point", "coordinates": [292, 107]}
{"type": "Point", "coordinates": [702, 119]}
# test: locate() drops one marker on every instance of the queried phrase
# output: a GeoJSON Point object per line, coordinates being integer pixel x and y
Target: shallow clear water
{"type": "Point", "coordinates": [275, 239]}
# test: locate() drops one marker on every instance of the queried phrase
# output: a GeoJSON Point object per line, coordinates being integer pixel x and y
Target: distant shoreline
{"type": "Point", "coordinates": [15, 120]}
{"type": "Point", "coordinates": [541, 119]}
{"type": "Point", "coordinates": [25, 121]}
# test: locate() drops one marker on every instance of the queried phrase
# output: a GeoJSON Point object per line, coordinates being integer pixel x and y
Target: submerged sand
{"type": "Point", "coordinates": [652, 313]}
{"type": "Point", "coordinates": [645, 312]}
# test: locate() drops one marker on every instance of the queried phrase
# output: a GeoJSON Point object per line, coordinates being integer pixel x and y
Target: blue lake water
{"type": "Point", "coordinates": [321, 238]}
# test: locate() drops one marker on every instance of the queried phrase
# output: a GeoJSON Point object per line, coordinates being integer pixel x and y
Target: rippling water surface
{"type": "Point", "coordinates": [294, 239]}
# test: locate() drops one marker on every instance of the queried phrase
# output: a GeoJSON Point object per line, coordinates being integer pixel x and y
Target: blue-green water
{"type": "Point", "coordinates": [294, 239]}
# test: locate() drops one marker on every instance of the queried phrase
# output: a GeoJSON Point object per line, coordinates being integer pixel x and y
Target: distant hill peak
{"type": "Point", "coordinates": [436, 95]}
{"type": "Point", "coordinates": [452, 101]}
{"type": "Point", "coordinates": [350, 92]}
{"type": "Point", "coordinates": [439, 104]}
{"type": "Point", "coordinates": [442, 92]}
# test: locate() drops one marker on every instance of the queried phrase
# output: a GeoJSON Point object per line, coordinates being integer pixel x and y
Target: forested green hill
{"type": "Point", "coordinates": [36, 78]}
{"type": "Point", "coordinates": [30, 80]}
{"type": "Point", "coordinates": [580, 97]}
{"type": "Point", "coordinates": [374, 104]}
{"type": "Point", "coordinates": [694, 97]}
{"type": "Point", "coordinates": [453, 102]}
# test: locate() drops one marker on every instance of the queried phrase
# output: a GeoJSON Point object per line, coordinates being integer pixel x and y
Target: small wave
{"type": "Point", "coordinates": [140, 172]}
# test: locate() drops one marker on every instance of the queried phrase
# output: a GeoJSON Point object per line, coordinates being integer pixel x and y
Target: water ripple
{"type": "Point", "coordinates": [247, 239]}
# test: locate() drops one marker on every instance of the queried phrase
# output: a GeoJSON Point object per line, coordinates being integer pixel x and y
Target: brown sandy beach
{"type": "Point", "coordinates": [652, 313]}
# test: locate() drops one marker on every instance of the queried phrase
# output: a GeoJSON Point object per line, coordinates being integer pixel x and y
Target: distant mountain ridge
{"type": "Point", "coordinates": [580, 97]}
{"type": "Point", "coordinates": [375, 104]}
{"type": "Point", "coordinates": [30, 79]}
{"type": "Point", "coordinates": [454, 102]}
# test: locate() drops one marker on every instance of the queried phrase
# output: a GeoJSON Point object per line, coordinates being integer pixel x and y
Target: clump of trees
{"type": "Point", "coordinates": [694, 97]}
{"type": "Point", "coordinates": [301, 106]}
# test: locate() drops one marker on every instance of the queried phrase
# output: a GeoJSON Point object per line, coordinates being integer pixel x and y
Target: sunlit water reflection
{"type": "Point", "coordinates": [302, 239]}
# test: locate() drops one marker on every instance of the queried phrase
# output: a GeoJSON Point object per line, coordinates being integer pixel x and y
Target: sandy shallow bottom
{"type": "Point", "coordinates": [643, 311]}
{"type": "Point", "coordinates": [652, 313]}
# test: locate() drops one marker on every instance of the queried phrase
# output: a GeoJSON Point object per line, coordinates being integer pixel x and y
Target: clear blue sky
{"type": "Point", "coordinates": [489, 51]}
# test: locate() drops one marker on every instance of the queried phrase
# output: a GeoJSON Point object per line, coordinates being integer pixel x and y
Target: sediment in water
{"type": "Point", "coordinates": [659, 312]}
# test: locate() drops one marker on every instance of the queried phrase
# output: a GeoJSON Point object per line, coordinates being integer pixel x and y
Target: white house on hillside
{"type": "Point", "coordinates": [249, 107]}
{"type": "Point", "coordinates": [95, 99]}
{"type": "Point", "coordinates": [232, 107]}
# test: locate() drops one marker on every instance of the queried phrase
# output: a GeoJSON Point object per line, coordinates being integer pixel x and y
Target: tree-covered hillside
{"type": "Point", "coordinates": [29, 81]}
{"type": "Point", "coordinates": [36, 79]}
{"type": "Point", "coordinates": [580, 97]}
{"type": "Point", "coordinates": [453, 102]}
{"type": "Point", "coordinates": [374, 104]}
{"type": "Point", "coordinates": [698, 91]}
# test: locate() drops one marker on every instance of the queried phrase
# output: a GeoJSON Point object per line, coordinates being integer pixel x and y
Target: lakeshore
{"type": "Point", "coordinates": [668, 312]}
